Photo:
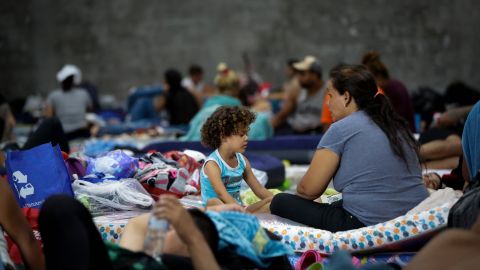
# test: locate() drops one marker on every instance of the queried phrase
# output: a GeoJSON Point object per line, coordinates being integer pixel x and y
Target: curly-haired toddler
{"type": "Point", "coordinates": [223, 171]}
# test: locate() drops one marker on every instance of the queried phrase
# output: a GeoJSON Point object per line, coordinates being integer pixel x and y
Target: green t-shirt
{"type": "Point", "coordinates": [125, 259]}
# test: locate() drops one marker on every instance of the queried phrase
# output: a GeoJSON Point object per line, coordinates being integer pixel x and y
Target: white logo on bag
{"type": "Point", "coordinates": [19, 177]}
{"type": "Point", "coordinates": [25, 190]}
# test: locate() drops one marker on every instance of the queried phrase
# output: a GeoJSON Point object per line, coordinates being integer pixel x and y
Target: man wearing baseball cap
{"type": "Point", "coordinates": [302, 111]}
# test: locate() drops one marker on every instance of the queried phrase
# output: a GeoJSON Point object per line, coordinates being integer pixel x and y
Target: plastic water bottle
{"type": "Point", "coordinates": [157, 229]}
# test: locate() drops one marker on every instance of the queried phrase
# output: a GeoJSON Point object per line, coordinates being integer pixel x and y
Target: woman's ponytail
{"type": "Point", "coordinates": [395, 127]}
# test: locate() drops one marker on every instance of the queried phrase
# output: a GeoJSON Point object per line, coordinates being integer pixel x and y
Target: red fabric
{"type": "Point", "coordinates": [326, 116]}
{"type": "Point", "coordinates": [183, 160]}
{"type": "Point", "coordinates": [453, 181]}
{"type": "Point", "coordinates": [379, 92]}
{"type": "Point", "coordinates": [32, 217]}
{"type": "Point", "coordinates": [157, 192]}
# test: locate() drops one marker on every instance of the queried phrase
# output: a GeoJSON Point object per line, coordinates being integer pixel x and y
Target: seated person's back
{"type": "Point", "coordinates": [70, 103]}
{"type": "Point", "coordinates": [376, 184]}
{"type": "Point", "coordinates": [182, 107]}
{"type": "Point", "coordinates": [70, 107]}
{"type": "Point", "coordinates": [181, 104]}
{"type": "Point", "coordinates": [401, 101]}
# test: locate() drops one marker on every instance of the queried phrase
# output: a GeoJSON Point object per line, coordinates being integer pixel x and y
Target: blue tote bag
{"type": "Point", "coordinates": [37, 173]}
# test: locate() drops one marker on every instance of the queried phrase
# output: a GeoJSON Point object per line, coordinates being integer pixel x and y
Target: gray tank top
{"type": "Point", "coordinates": [308, 111]}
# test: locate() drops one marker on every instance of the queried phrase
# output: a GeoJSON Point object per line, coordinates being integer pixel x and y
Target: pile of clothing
{"type": "Point", "coordinates": [159, 174]}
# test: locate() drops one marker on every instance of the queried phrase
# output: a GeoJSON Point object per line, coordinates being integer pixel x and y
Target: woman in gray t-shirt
{"type": "Point", "coordinates": [370, 154]}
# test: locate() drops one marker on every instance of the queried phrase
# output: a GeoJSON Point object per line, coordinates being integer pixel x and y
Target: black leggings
{"type": "Point", "coordinates": [78, 133]}
{"type": "Point", "coordinates": [70, 238]}
{"type": "Point", "coordinates": [49, 130]}
{"type": "Point", "coordinates": [330, 217]}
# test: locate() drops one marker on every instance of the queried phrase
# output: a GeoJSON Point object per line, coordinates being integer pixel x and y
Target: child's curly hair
{"type": "Point", "coordinates": [224, 122]}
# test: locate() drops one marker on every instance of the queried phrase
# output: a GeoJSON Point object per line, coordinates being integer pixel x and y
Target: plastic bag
{"type": "Point", "coordinates": [110, 196]}
{"type": "Point", "coordinates": [115, 163]}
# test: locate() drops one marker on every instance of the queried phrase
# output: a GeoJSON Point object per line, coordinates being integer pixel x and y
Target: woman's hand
{"type": "Point", "coordinates": [169, 208]}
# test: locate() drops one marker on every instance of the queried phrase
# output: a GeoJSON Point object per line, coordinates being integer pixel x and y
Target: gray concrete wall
{"type": "Point", "coordinates": [122, 43]}
{"type": "Point", "coordinates": [16, 50]}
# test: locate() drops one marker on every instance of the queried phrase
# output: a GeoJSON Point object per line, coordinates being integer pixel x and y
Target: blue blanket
{"type": "Point", "coordinates": [243, 233]}
{"type": "Point", "coordinates": [471, 141]}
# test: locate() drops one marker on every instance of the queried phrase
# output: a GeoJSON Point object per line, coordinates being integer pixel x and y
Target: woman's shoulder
{"type": "Point", "coordinates": [355, 119]}
{"type": "Point", "coordinates": [350, 125]}
{"type": "Point", "coordinates": [55, 93]}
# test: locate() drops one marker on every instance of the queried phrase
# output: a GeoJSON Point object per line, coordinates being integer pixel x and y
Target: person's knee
{"type": "Point", "coordinates": [279, 202]}
{"type": "Point", "coordinates": [454, 143]}
{"type": "Point", "coordinates": [51, 123]}
{"type": "Point", "coordinates": [454, 138]}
